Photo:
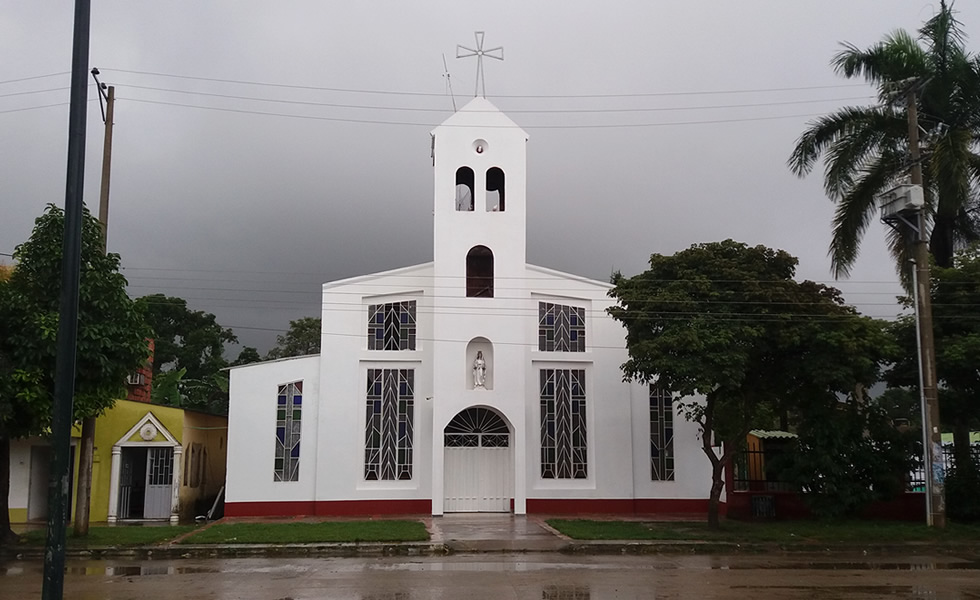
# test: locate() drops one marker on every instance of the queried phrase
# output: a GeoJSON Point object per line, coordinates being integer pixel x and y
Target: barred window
{"type": "Point", "coordinates": [661, 434]}
{"type": "Point", "coordinates": [564, 449]}
{"type": "Point", "coordinates": [391, 326]}
{"type": "Point", "coordinates": [289, 421]}
{"type": "Point", "coordinates": [389, 427]}
{"type": "Point", "coordinates": [560, 328]}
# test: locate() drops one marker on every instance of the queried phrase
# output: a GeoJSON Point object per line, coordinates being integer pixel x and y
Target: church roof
{"type": "Point", "coordinates": [479, 112]}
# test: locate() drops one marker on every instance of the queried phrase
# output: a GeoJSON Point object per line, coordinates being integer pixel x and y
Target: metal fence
{"type": "Point", "coordinates": [917, 478]}
{"type": "Point", "coordinates": [758, 471]}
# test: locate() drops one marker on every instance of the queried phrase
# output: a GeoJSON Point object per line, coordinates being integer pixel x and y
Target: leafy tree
{"type": "Point", "coordinates": [111, 340]}
{"type": "Point", "coordinates": [847, 455]}
{"type": "Point", "coordinates": [866, 148]}
{"type": "Point", "coordinates": [184, 338]}
{"type": "Point", "coordinates": [727, 322]}
{"type": "Point", "coordinates": [190, 342]}
{"type": "Point", "coordinates": [303, 337]}
{"type": "Point", "coordinates": [247, 356]}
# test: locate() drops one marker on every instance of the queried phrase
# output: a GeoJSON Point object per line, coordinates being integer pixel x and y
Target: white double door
{"type": "Point", "coordinates": [478, 479]}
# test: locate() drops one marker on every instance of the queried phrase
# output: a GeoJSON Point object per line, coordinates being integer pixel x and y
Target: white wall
{"type": "Point", "coordinates": [253, 390]}
{"type": "Point", "coordinates": [343, 373]}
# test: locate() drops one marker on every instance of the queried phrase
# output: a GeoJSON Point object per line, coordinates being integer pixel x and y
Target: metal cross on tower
{"type": "Point", "coordinates": [479, 53]}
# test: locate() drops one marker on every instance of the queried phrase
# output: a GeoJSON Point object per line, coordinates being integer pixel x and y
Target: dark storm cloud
{"type": "Point", "coordinates": [246, 214]}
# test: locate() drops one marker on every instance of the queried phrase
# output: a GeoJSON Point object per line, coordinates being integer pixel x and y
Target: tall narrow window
{"type": "Point", "coordinates": [391, 326]}
{"type": "Point", "coordinates": [479, 272]}
{"type": "Point", "coordinates": [495, 190]}
{"type": "Point", "coordinates": [560, 328]}
{"type": "Point", "coordinates": [661, 434]}
{"type": "Point", "coordinates": [464, 188]}
{"type": "Point", "coordinates": [389, 426]}
{"type": "Point", "coordinates": [289, 421]}
{"type": "Point", "coordinates": [564, 448]}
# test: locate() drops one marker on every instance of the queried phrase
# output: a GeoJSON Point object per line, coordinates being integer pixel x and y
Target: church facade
{"type": "Point", "coordinates": [473, 383]}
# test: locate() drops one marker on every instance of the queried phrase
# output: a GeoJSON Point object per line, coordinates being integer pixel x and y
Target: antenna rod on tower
{"type": "Point", "coordinates": [449, 83]}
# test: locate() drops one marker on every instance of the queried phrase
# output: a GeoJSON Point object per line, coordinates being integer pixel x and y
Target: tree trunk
{"type": "Point", "coordinates": [83, 492]}
{"type": "Point", "coordinates": [7, 535]}
{"type": "Point", "coordinates": [714, 500]}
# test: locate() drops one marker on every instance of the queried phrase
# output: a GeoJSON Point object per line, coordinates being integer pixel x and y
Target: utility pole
{"type": "Point", "coordinates": [83, 493]}
{"type": "Point", "coordinates": [52, 586]}
{"type": "Point", "coordinates": [934, 467]}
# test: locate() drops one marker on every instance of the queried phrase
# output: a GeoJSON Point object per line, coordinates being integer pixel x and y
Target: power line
{"type": "Point", "coordinates": [35, 77]}
{"type": "Point", "coordinates": [442, 95]}
{"type": "Point", "coordinates": [430, 125]}
{"type": "Point", "coordinates": [525, 111]}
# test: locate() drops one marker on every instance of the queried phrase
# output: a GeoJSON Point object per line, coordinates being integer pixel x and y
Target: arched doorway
{"type": "Point", "coordinates": [479, 464]}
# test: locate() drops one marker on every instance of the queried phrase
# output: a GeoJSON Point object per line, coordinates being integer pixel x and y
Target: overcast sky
{"type": "Point", "coordinates": [262, 148]}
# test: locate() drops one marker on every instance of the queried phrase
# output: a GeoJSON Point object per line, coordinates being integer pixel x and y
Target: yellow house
{"type": "Point", "coordinates": [150, 463]}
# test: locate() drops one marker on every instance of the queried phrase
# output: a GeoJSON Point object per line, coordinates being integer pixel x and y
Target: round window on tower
{"type": "Point", "coordinates": [480, 146]}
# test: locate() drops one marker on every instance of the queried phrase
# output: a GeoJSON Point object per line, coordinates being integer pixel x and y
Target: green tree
{"type": "Point", "coordinates": [247, 356]}
{"type": "Point", "coordinates": [727, 322]}
{"type": "Point", "coordinates": [303, 337]}
{"type": "Point", "coordinates": [191, 342]}
{"type": "Point", "coordinates": [848, 454]}
{"type": "Point", "coordinates": [866, 148]}
{"type": "Point", "coordinates": [111, 341]}
{"type": "Point", "coordinates": [185, 338]}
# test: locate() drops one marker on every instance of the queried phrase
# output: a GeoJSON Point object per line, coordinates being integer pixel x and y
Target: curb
{"type": "Point", "coordinates": [349, 550]}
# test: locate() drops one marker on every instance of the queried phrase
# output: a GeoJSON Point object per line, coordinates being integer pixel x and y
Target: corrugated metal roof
{"type": "Point", "coordinates": [762, 434]}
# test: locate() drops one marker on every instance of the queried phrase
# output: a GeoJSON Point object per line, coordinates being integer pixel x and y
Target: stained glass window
{"type": "Point", "coordinates": [391, 326]}
{"type": "Point", "coordinates": [289, 422]}
{"type": "Point", "coordinates": [560, 328]}
{"type": "Point", "coordinates": [389, 426]}
{"type": "Point", "coordinates": [564, 448]}
{"type": "Point", "coordinates": [661, 434]}
{"type": "Point", "coordinates": [477, 428]}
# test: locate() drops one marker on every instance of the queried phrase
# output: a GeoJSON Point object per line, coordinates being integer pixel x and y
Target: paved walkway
{"type": "Point", "coordinates": [491, 532]}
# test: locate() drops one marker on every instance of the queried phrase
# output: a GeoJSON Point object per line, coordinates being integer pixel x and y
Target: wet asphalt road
{"type": "Point", "coordinates": [503, 577]}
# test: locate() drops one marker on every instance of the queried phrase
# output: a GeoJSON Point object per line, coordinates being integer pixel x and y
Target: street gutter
{"type": "Point", "coordinates": [591, 547]}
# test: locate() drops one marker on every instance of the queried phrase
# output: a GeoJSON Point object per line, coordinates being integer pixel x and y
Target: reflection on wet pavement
{"type": "Point", "coordinates": [508, 576]}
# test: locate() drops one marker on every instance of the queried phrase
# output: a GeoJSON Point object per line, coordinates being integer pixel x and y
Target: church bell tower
{"type": "Point", "coordinates": [479, 158]}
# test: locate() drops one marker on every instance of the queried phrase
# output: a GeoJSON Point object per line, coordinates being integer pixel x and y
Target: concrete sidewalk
{"type": "Point", "coordinates": [489, 532]}
{"type": "Point", "coordinates": [482, 533]}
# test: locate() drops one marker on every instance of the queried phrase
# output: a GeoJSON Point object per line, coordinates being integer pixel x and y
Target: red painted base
{"type": "Point", "coordinates": [555, 506]}
{"type": "Point", "coordinates": [334, 508]}
{"type": "Point", "coordinates": [618, 506]}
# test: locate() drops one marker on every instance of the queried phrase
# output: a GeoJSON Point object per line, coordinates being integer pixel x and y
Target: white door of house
{"type": "Point", "coordinates": [159, 483]}
{"type": "Point", "coordinates": [37, 499]}
{"type": "Point", "coordinates": [479, 464]}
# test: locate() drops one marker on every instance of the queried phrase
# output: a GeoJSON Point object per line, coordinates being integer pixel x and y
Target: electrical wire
{"type": "Point", "coordinates": [525, 111]}
{"type": "Point", "coordinates": [34, 77]}
{"type": "Point", "coordinates": [431, 94]}
{"type": "Point", "coordinates": [432, 125]}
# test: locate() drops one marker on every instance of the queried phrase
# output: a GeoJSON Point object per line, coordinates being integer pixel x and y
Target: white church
{"type": "Point", "coordinates": [472, 383]}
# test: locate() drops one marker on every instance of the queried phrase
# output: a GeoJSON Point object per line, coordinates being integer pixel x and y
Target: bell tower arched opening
{"type": "Point", "coordinates": [495, 189]}
{"type": "Point", "coordinates": [464, 188]}
{"type": "Point", "coordinates": [479, 272]}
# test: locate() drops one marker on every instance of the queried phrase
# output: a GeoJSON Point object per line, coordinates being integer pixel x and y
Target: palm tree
{"type": "Point", "coordinates": [866, 148]}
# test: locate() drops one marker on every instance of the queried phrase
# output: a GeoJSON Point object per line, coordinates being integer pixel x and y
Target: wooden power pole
{"type": "Point", "coordinates": [934, 468]}
{"type": "Point", "coordinates": [83, 494]}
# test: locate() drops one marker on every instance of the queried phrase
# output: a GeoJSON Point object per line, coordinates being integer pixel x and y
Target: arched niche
{"type": "Point", "coordinates": [479, 272]}
{"type": "Point", "coordinates": [476, 346]}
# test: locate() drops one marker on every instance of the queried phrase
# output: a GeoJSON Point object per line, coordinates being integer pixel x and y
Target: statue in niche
{"type": "Point", "coordinates": [480, 371]}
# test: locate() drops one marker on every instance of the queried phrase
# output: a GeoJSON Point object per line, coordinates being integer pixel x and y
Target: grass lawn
{"type": "Point", "coordinates": [788, 532]}
{"type": "Point", "coordinates": [122, 535]}
{"type": "Point", "coordinates": [306, 533]}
